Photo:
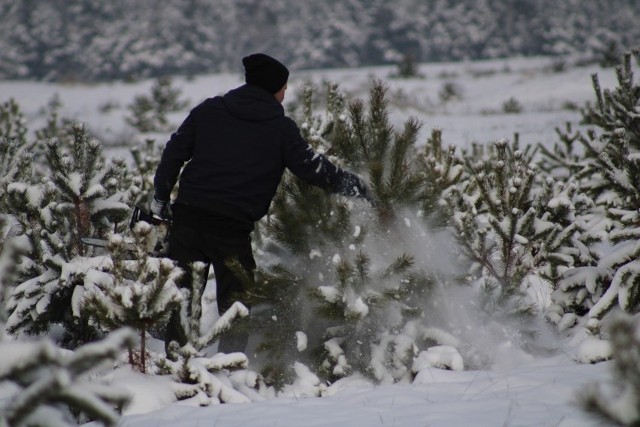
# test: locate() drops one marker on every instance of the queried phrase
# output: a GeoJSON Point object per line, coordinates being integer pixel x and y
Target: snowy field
{"type": "Point", "coordinates": [523, 390]}
{"type": "Point", "coordinates": [537, 394]}
{"type": "Point", "coordinates": [548, 98]}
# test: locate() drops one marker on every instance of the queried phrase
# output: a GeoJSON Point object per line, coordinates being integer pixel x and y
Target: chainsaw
{"type": "Point", "coordinates": [159, 244]}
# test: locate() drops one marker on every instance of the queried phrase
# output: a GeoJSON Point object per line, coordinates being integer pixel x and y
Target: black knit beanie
{"type": "Point", "coordinates": [265, 71]}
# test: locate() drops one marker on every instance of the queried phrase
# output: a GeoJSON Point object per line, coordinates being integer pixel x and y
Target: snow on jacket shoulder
{"type": "Point", "coordinates": [236, 148]}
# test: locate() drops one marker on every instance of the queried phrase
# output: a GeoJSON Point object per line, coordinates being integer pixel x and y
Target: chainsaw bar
{"type": "Point", "coordinates": [102, 243]}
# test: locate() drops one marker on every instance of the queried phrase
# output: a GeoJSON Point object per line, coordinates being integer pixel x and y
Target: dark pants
{"type": "Point", "coordinates": [199, 235]}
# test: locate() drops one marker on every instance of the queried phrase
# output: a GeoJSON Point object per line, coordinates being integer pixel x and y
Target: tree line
{"type": "Point", "coordinates": [80, 40]}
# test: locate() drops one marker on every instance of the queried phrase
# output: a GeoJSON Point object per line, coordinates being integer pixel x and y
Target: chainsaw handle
{"type": "Point", "coordinates": [139, 214]}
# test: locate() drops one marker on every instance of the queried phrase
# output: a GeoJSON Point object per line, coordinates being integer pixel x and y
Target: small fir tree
{"type": "Point", "coordinates": [562, 160]}
{"type": "Point", "coordinates": [56, 127]}
{"type": "Point", "coordinates": [146, 157]}
{"type": "Point", "coordinates": [617, 108]}
{"type": "Point", "coordinates": [442, 169]}
{"type": "Point", "coordinates": [53, 387]}
{"type": "Point", "coordinates": [327, 242]}
{"type": "Point", "coordinates": [621, 171]}
{"type": "Point", "coordinates": [222, 377]}
{"type": "Point", "coordinates": [149, 113]}
{"type": "Point", "coordinates": [608, 176]}
{"type": "Point", "coordinates": [407, 68]}
{"type": "Point", "coordinates": [359, 308]}
{"type": "Point", "coordinates": [510, 227]}
{"type": "Point", "coordinates": [450, 91]}
{"type": "Point", "coordinates": [49, 386]}
{"type": "Point", "coordinates": [12, 121]}
{"type": "Point", "coordinates": [15, 166]}
{"type": "Point", "coordinates": [82, 197]}
{"type": "Point", "coordinates": [142, 117]}
{"type": "Point", "coordinates": [16, 153]}
{"type": "Point", "coordinates": [91, 193]}
{"type": "Point", "coordinates": [140, 292]}
{"type": "Point", "coordinates": [23, 159]}
{"type": "Point", "coordinates": [489, 218]}
{"type": "Point", "coordinates": [368, 142]}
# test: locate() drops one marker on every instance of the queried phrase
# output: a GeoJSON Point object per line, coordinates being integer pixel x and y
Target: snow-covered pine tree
{"type": "Point", "coordinates": [15, 151]}
{"type": "Point", "coordinates": [609, 177]}
{"type": "Point", "coordinates": [617, 108]}
{"type": "Point", "coordinates": [91, 194]}
{"type": "Point", "coordinates": [407, 67]}
{"type": "Point", "coordinates": [149, 113]}
{"type": "Point", "coordinates": [570, 167]}
{"type": "Point", "coordinates": [142, 117]}
{"type": "Point", "coordinates": [50, 386]}
{"type": "Point", "coordinates": [138, 291]}
{"type": "Point", "coordinates": [337, 250]}
{"type": "Point", "coordinates": [221, 378]}
{"type": "Point", "coordinates": [442, 168]}
{"type": "Point", "coordinates": [14, 143]}
{"type": "Point", "coordinates": [56, 127]}
{"type": "Point", "coordinates": [366, 311]}
{"type": "Point", "coordinates": [618, 401]}
{"type": "Point", "coordinates": [12, 121]}
{"type": "Point", "coordinates": [562, 160]}
{"type": "Point", "coordinates": [301, 216]}
{"type": "Point", "coordinates": [15, 165]}
{"type": "Point", "coordinates": [492, 219]}
{"type": "Point", "coordinates": [82, 197]}
{"type": "Point", "coordinates": [146, 157]}
{"type": "Point", "coordinates": [196, 336]}
{"type": "Point", "coordinates": [511, 225]}
{"type": "Point", "coordinates": [592, 289]}
{"type": "Point", "coordinates": [573, 247]}
{"type": "Point", "coordinates": [369, 143]}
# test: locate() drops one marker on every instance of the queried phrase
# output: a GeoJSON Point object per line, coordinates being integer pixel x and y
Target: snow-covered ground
{"type": "Point", "coordinates": [531, 391]}
{"type": "Point", "coordinates": [540, 393]}
{"type": "Point", "coordinates": [548, 98]}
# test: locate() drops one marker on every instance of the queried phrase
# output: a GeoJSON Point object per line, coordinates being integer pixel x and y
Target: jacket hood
{"type": "Point", "coordinates": [250, 102]}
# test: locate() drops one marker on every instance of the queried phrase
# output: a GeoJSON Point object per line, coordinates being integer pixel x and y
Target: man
{"type": "Point", "coordinates": [236, 148]}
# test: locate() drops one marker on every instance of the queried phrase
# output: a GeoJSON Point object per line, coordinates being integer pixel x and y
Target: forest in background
{"type": "Point", "coordinates": [91, 40]}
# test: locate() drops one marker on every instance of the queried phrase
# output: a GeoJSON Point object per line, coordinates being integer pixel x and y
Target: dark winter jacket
{"type": "Point", "coordinates": [236, 147]}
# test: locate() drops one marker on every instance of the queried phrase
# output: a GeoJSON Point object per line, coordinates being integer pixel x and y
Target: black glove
{"type": "Point", "coordinates": [159, 209]}
{"type": "Point", "coordinates": [355, 187]}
